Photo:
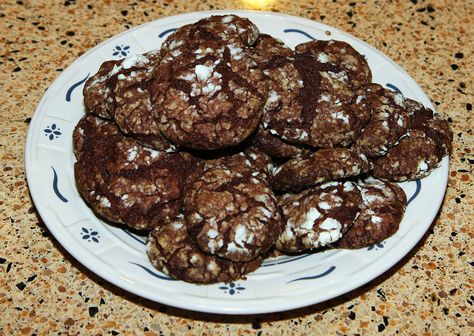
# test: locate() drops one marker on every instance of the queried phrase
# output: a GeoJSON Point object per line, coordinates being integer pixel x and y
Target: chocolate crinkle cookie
{"type": "Point", "coordinates": [389, 121]}
{"type": "Point", "coordinates": [208, 96]}
{"type": "Point", "coordinates": [221, 29]}
{"type": "Point", "coordinates": [119, 91]}
{"type": "Point", "coordinates": [318, 216]}
{"type": "Point", "coordinates": [230, 209]}
{"type": "Point", "coordinates": [325, 111]}
{"type": "Point", "coordinates": [324, 165]}
{"type": "Point", "coordinates": [273, 145]}
{"type": "Point", "coordinates": [419, 151]}
{"type": "Point", "coordinates": [432, 124]}
{"type": "Point", "coordinates": [171, 250]}
{"type": "Point", "coordinates": [383, 206]}
{"type": "Point", "coordinates": [129, 100]}
{"type": "Point", "coordinates": [96, 91]}
{"type": "Point", "coordinates": [412, 158]}
{"type": "Point", "coordinates": [284, 84]}
{"type": "Point", "coordinates": [123, 181]}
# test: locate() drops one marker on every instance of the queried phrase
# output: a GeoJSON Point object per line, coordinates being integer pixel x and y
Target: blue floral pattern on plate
{"type": "Point", "coordinates": [55, 186]}
{"type": "Point", "coordinates": [74, 86]}
{"type": "Point", "coordinates": [52, 131]}
{"type": "Point", "coordinates": [121, 50]}
{"type": "Point", "coordinates": [90, 235]}
{"type": "Point", "coordinates": [232, 288]}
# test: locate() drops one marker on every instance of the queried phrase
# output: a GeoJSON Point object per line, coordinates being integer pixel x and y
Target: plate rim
{"type": "Point", "coordinates": [83, 255]}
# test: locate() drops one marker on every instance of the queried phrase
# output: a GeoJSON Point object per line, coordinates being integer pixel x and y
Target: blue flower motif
{"type": "Point", "coordinates": [52, 131]}
{"type": "Point", "coordinates": [121, 50]}
{"type": "Point", "coordinates": [89, 234]}
{"type": "Point", "coordinates": [375, 246]}
{"type": "Point", "coordinates": [232, 288]}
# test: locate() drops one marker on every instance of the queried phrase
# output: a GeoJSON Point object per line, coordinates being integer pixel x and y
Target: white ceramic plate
{"type": "Point", "coordinates": [119, 256]}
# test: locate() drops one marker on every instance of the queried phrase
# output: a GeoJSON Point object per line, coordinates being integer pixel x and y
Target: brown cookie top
{"type": "Point", "coordinates": [96, 91]}
{"type": "Point", "coordinates": [223, 29]}
{"type": "Point", "coordinates": [172, 251]}
{"type": "Point", "coordinates": [414, 157]}
{"type": "Point", "coordinates": [383, 206]}
{"type": "Point", "coordinates": [432, 124]}
{"type": "Point", "coordinates": [323, 165]}
{"type": "Point", "coordinates": [319, 216]}
{"type": "Point", "coordinates": [284, 81]}
{"type": "Point", "coordinates": [123, 181]}
{"type": "Point", "coordinates": [388, 123]}
{"type": "Point", "coordinates": [342, 53]}
{"type": "Point", "coordinates": [209, 102]}
{"type": "Point", "coordinates": [230, 209]}
{"type": "Point", "coordinates": [324, 110]}
{"type": "Point", "coordinates": [129, 100]}
{"type": "Point", "coordinates": [274, 146]}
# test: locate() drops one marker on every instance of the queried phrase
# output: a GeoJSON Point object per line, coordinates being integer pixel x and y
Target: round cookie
{"type": "Point", "coordinates": [432, 124]}
{"type": "Point", "coordinates": [230, 210]}
{"type": "Point", "coordinates": [129, 102]}
{"type": "Point", "coordinates": [123, 181]}
{"type": "Point", "coordinates": [342, 53]}
{"type": "Point", "coordinates": [172, 251]}
{"type": "Point", "coordinates": [326, 112]}
{"type": "Point", "coordinates": [209, 101]}
{"type": "Point", "coordinates": [284, 81]}
{"type": "Point", "coordinates": [323, 165]}
{"type": "Point", "coordinates": [388, 123]}
{"type": "Point", "coordinates": [383, 206]}
{"type": "Point", "coordinates": [414, 157]}
{"type": "Point", "coordinates": [96, 91]}
{"type": "Point", "coordinates": [274, 146]}
{"type": "Point", "coordinates": [319, 216]}
{"type": "Point", "coordinates": [223, 29]}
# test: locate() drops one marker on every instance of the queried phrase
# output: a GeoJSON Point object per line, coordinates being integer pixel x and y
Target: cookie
{"type": "Point", "coordinates": [96, 91]}
{"type": "Point", "coordinates": [209, 102]}
{"type": "Point", "coordinates": [229, 208]}
{"type": "Point", "coordinates": [123, 181]}
{"type": "Point", "coordinates": [319, 216]}
{"type": "Point", "coordinates": [274, 146]}
{"type": "Point", "coordinates": [222, 29]}
{"type": "Point", "coordinates": [129, 100]}
{"type": "Point", "coordinates": [326, 112]}
{"type": "Point", "coordinates": [432, 124]}
{"type": "Point", "coordinates": [284, 81]}
{"type": "Point", "coordinates": [172, 251]}
{"type": "Point", "coordinates": [323, 165]}
{"type": "Point", "coordinates": [389, 121]}
{"type": "Point", "coordinates": [352, 63]}
{"type": "Point", "coordinates": [383, 206]}
{"type": "Point", "coordinates": [414, 157]}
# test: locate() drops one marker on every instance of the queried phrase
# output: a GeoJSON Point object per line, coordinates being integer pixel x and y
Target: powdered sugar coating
{"type": "Point", "coordinates": [323, 165]}
{"type": "Point", "coordinates": [412, 158]}
{"type": "Point", "coordinates": [96, 91]}
{"type": "Point", "coordinates": [318, 217]}
{"type": "Point", "coordinates": [388, 123]}
{"type": "Point", "coordinates": [123, 181]}
{"type": "Point", "coordinates": [129, 100]}
{"type": "Point", "coordinates": [324, 111]}
{"type": "Point", "coordinates": [383, 206]}
{"type": "Point", "coordinates": [174, 252]}
{"type": "Point", "coordinates": [230, 209]}
{"type": "Point", "coordinates": [276, 61]}
{"type": "Point", "coordinates": [208, 102]}
{"type": "Point", "coordinates": [228, 29]}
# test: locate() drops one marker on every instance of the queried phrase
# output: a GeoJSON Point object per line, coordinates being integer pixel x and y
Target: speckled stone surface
{"type": "Point", "coordinates": [43, 290]}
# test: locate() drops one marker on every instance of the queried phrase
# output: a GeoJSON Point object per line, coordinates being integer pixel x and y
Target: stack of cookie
{"type": "Point", "coordinates": [226, 144]}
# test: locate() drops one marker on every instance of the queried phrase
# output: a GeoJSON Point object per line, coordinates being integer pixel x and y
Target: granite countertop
{"type": "Point", "coordinates": [43, 290]}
